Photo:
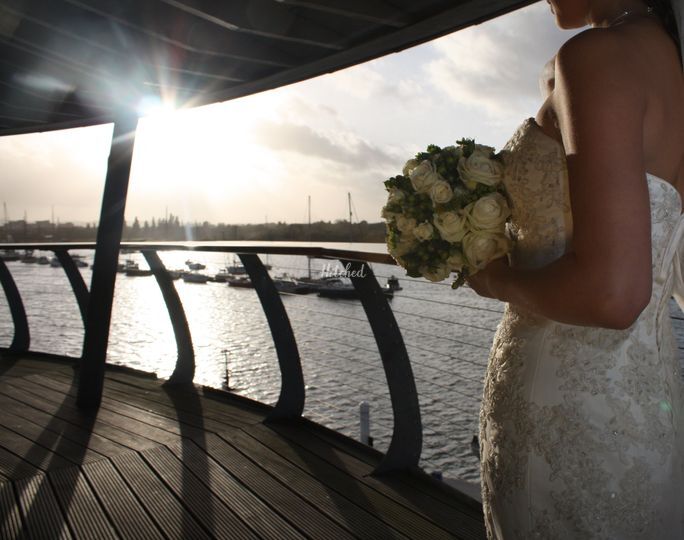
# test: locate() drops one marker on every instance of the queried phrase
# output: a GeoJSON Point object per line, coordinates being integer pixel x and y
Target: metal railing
{"type": "Point", "coordinates": [404, 450]}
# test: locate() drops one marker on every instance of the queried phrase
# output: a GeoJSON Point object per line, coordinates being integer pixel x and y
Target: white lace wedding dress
{"type": "Point", "coordinates": [581, 429]}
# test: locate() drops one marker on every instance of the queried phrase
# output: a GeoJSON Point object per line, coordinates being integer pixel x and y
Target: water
{"type": "Point", "coordinates": [447, 335]}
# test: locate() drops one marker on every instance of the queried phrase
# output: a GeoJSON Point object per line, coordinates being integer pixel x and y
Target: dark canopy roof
{"type": "Point", "coordinates": [67, 63]}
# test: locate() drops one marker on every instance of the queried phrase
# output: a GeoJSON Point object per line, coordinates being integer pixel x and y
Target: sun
{"type": "Point", "coordinates": [204, 152]}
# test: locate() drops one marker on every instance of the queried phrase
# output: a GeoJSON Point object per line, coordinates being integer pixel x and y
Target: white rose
{"type": "Point", "coordinates": [405, 224]}
{"type": "Point", "coordinates": [441, 192]}
{"type": "Point", "coordinates": [438, 273]}
{"type": "Point", "coordinates": [404, 246]}
{"type": "Point", "coordinates": [456, 261]}
{"type": "Point", "coordinates": [396, 195]}
{"type": "Point", "coordinates": [410, 165]}
{"type": "Point", "coordinates": [388, 215]}
{"type": "Point", "coordinates": [424, 176]}
{"type": "Point", "coordinates": [424, 231]}
{"type": "Point", "coordinates": [480, 168]}
{"type": "Point", "coordinates": [489, 213]}
{"type": "Point", "coordinates": [451, 225]}
{"type": "Point", "coordinates": [481, 247]}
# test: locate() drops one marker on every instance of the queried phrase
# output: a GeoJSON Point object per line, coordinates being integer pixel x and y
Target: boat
{"type": "Point", "coordinates": [236, 269]}
{"type": "Point", "coordinates": [195, 277]}
{"type": "Point", "coordinates": [43, 260]}
{"type": "Point", "coordinates": [289, 285]}
{"type": "Point", "coordinates": [137, 272]}
{"type": "Point", "coordinates": [222, 276]}
{"type": "Point", "coordinates": [28, 257]}
{"type": "Point", "coordinates": [54, 262]}
{"type": "Point", "coordinates": [239, 281]}
{"type": "Point", "coordinates": [9, 255]}
{"type": "Point", "coordinates": [128, 264]}
{"type": "Point", "coordinates": [195, 265]}
{"type": "Point", "coordinates": [393, 283]}
{"type": "Point", "coordinates": [345, 290]}
{"type": "Point", "coordinates": [78, 261]}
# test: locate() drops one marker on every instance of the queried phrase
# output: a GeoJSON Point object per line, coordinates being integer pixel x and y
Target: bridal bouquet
{"type": "Point", "coordinates": [447, 212]}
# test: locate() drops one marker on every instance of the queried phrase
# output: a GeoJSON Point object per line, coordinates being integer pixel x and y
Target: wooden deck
{"type": "Point", "coordinates": [164, 462]}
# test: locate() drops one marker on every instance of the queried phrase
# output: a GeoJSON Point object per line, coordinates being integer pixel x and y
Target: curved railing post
{"type": "Point", "coordinates": [76, 279]}
{"type": "Point", "coordinates": [184, 372]}
{"type": "Point", "coordinates": [109, 230]}
{"type": "Point", "coordinates": [291, 400]}
{"type": "Point", "coordinates": [22, 338]}
{"type": "Point", "coordinates": [407, 437]}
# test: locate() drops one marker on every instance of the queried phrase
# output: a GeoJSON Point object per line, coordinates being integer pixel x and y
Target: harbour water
{"type": "Point", "coordinates": [447, 334]}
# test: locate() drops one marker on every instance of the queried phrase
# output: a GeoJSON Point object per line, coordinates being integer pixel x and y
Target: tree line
{"type": "Point", "coordinates": [172, 229]}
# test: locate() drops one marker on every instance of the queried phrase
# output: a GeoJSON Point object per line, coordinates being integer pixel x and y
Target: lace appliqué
{"type": "Point", "coordinates": [579, 427]}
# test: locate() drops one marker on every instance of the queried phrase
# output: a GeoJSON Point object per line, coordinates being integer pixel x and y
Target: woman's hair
{"type": "Point", "coordinates": [663, 10]}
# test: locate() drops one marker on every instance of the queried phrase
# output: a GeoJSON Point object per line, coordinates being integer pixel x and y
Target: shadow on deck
{"type": "Point", "coordinates": [171, 462]}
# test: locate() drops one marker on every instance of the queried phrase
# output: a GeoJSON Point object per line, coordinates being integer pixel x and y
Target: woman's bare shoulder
{"type": "Point", "coordinates": [596, 51]}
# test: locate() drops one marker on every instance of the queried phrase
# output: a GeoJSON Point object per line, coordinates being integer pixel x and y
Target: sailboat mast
{"type": "Point", "coordinates": [350, 217]}
{"type": "Point", "coordinates": [308, 259]}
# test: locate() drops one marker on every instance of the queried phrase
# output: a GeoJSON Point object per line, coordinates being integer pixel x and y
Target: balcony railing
{"type": "Point", "coordinates": [404, 450]}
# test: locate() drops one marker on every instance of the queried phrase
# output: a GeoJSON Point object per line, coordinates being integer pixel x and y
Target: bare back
{"type": "Point", "coordinates": [654, 57]}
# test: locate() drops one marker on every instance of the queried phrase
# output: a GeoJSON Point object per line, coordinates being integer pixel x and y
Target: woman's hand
{"type": "Point", "coordinates": [490, 280]}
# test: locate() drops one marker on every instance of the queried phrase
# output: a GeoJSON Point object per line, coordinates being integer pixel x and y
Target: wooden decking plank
{"type": "Point", "coordinates": [289, 480]}
{"type": "Point", "coordinates": [69, 450]}
{"type": "Point", "coordinates": [128, 517]}
{"type": "Point", "coordinates": [13, 366]}
{"type": "Point", "coordinates": [183, 409]}
{"type": "Point", "coordinates": [36, 454]}
{"type": "Point", "coordinates": [12, 466]}
{"type": "Point", "coordinates": [145, 416]}
{"type": "Point", "coordinates": [68, 430]}
{"type": "Point", "coordinates": [222, 522]}
{"type": "Point", "coordinates": [458, 518]}
{"type": "Point", "coordinates": [166, 408]}
{"type": "Point", "coordinates": [163, 507]}
{"type": "Point", "coordinates": [178, 403]}
{"type": "Point", "coordinates": [145, 431]}
{"type": "Point", "coordinates": [440, 501]}
{"type": "Point", "coordinates": [40, 511]}
{"type": "Point", "coordinates": [318, 511]}
{"type": "Point", "coordinates": [51, 405]}
{"type": "Point", "coordinates": [278, 457]}
{"type": "Point", "coordinates": [212, 405]}
{"type": "Point", "coordinates": [10, 517]}
{"type": "Point", "coordinates": [261, 518]}
{"type": "Point", "coordinates": [419, 483]}
{"type": "Point", "coordinates": [86, 517]}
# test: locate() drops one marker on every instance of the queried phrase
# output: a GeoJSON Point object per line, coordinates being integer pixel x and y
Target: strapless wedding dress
{"type": "Point", "coordinates": [582, 429]}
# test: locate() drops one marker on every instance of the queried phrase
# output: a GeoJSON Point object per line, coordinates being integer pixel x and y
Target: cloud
{"type": "Point", "coordinates": [376, 80]}
{"type": "Point", "coordinates": [346, 148]}
{"type": "Point", "coordinates": [497, 65]}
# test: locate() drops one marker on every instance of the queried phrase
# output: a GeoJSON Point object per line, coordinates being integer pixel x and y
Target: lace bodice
{"type": "Point", "coordinates": [537, 184]}
{"type": "Point", "coordinates": [581, 427]}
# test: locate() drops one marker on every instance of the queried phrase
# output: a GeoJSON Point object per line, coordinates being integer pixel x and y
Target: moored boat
{"type": "Point", "coordinates": [195, 277]}
{"type": "Point", "coordinates": [239, 281]}
{"type": "Point", "coordinates": [288, 285]}
{"type": "Point", "coordinates": [344, 290]}
{"type": "Point", "coordinates": [9, 255]}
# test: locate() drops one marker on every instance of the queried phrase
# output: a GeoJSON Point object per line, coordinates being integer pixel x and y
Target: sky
{"type": "Point", "coordinates": [259, 158]}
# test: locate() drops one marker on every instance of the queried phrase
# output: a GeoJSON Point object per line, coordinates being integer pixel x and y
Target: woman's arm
{"type": "Point", "coordinates": [600, 102]}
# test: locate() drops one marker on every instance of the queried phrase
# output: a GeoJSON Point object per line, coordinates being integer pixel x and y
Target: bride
{"type": "Point", "coordinates": [582, 420]}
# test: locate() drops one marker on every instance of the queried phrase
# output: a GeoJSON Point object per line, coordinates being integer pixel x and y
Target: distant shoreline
{"type": "Point", "coordinates": [171, 229]}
